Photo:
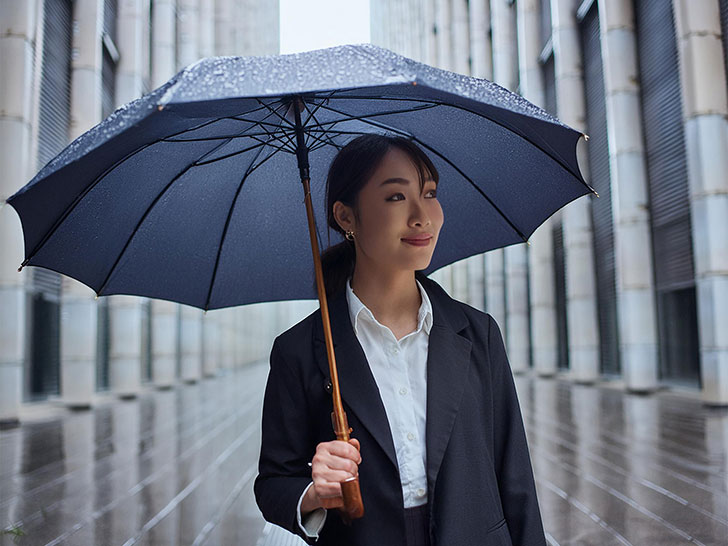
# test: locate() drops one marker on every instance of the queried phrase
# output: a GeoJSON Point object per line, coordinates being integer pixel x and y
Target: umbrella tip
{"type": "Point", "coordinates": [596, 193]}
{"type": "Point", "coordinates": [96, 296]}
{"type": "Point", "coordinates": [160, 107]}
{"type": "Point", "coordinates": [586, 137]}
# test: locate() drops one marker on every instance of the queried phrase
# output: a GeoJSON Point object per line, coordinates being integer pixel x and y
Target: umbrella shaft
{"type": "Point", "coordinates": [338, 417]}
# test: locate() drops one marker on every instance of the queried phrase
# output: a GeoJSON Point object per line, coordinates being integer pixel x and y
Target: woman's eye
{"type": "Point", "coordinates": [433, 192]}
{"type": "Point", "coordinates": [396, 195]}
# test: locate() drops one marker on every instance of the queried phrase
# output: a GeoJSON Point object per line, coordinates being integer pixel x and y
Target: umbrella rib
{"type": "Point", "coordinates": [205, 139]}
{"type": "Point", "coordinates": [149, 209]}
{"type": "Point", "coordinates": [501, 124]}
{"type": "Point", "coordinates": [233, 154]}
{"type": "Point", "coordinates": [210, 122]}
{"type": "Point", "coordinates": [93, 184]}
{"type": "Point", "coordinates": [325, 135]}
{"type": "Point", "coordinates": [275, 112]}
{"type": "Point", "coordinates": [412, 137]}
{"type": "Point", "coordinates": [283, 118]}
{"type": "Point", "coordinates": [227, 221]}
{"type": "Point", "coordinates": [351, 117]}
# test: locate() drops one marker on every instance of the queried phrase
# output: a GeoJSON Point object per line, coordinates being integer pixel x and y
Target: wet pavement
{"type": "Point", "coordinates": [177, 467]}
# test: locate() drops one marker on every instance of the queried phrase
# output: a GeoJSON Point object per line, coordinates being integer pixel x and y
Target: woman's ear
{"type": "Point", "coordinates": [344, 216]}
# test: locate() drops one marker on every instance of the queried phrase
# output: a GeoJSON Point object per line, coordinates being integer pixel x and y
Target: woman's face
{"type": "Point", "coordinates": [398, 225]}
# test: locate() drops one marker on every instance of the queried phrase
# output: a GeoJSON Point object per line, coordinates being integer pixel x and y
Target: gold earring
{"type": "Point", "coordinates": [349, 235]}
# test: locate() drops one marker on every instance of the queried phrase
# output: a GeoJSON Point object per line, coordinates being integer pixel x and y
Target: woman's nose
{"type": "Point", "coordinates": [418, 215]}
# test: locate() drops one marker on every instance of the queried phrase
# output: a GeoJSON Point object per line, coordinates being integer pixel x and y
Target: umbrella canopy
{"type": "Point", "coordinates": [191, 192]}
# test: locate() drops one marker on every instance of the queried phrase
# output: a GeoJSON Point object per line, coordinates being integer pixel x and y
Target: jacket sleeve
{"type": "Point", "coordinates": [511, 458]}
{"type": "Point", "coordinates": [286, 446]}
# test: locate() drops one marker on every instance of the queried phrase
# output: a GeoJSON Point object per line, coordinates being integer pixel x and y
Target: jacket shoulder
{"type": "Point", "coordinates": [290, 341]}
{"type": "Point", "coordinates": [477, 319]}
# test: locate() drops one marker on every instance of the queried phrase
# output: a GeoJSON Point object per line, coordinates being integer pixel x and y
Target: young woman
{"type": "Point", "coordinates": [438, 442]}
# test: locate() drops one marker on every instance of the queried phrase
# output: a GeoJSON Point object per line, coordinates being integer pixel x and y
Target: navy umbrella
{"type": "Point", "coordinates": [187, 194]}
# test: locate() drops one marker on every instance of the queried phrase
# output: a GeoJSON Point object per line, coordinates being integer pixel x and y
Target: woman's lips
{"type": "Point", "coordinates": [420, 241]}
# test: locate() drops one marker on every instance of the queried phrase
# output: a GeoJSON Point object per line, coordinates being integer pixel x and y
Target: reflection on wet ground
{"type": "Point", "coordinates": [177, 467]}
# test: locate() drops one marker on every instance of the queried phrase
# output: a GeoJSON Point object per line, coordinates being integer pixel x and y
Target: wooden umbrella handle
{"type": "Point", "coordinates": [353, 507]}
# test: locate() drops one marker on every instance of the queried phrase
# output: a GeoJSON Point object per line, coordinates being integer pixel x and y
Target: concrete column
{"type": "Point", "coordinates": [164, 343]}
{"type": "Point", "coordinates": [495, 295]}
{"type": "Point", "coordinates": [705, 110]}
{"type": "Point", "coordinates": [191, 337]}
{"type": "Point", "coordinates": [88, 19]}
{"type": "Point", "coordinates": [514, 257]}
{"type": "Point", "coordinates": [131, 26]}
{"type": "Point", "coordinates": [630, 203]}
{"type": "Point", "coordinates": [164, 38]}
{"type": "Point", "coordinates": [210, 343]}
{"type": "Point", "coordinates": [481, 47]}
{"type": "Point", "coordinates": [444, 24]}
{"type": "Point", "coordinates": [79, 313]}
{"type": "Point", "coordinates": [460, 40]}
{"type": "Point", "coordinates": [476, 281]}
{"type": "Point", "coordinates": [443, 59]}
{"type": "Point", "coordinates": [540, 254]}
{"type": "Point", "coordinates": [429, 53]}
{"type": "Point", "coordinates": [505, 51]}
{"type": "Point", "coordinates": [505, 73]}
{"type": "Point", "coordinates": [125, 345]}
{"type": "Point", "coordinates": [188, 38]}
{"type": "Point", "coordinates": [165, 333]}
{"type": "Point", "coordinates": [481, 55]}
{"type": "Point", "coordinates": [20, 28]}
{"type": "Point", "coordinates": [224, 30]}
{"type": "Point", "coordinates": [578, 245]}
{"type": "Point", "coordinates": [518, 340]}
{"type": "Point", "coordinates": [207, 28]}
{"type": "Point", "coordinates": [460, 36]}
{"type": "Point", "coordinates": [126, 312]}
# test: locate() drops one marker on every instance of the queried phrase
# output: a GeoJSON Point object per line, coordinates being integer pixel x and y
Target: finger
{"type": "Point", "coordinates": [355, 443]}
{"type": "Point", "coordinates": [334, 462]}
{"type": "Point", "coordinates": [339, 463]}
{"type": "Point", "coordinates": [342, 449]}
{"type": "Point", "coordinates": [332, 475]}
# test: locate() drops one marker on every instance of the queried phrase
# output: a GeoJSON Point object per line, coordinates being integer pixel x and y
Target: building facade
{"type": "Point", "coordinates": [632, 285]}
{"type": "Point", "coordinates": [65, 65]}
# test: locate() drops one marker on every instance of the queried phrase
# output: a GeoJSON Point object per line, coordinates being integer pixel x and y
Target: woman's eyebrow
{"type": "Point", "coordinates": [395, 180]}
{"type": "Point", "coordinates": [400, 180]}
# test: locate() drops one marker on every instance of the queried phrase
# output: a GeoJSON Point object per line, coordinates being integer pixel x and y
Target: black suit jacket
{"type": "Point", "coordinates": [480, 483]}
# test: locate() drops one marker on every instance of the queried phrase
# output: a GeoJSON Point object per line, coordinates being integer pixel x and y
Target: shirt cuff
{"type": "Point", "coordinates": [314, 521]}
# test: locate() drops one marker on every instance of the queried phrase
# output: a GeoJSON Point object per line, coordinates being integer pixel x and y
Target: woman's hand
{"type": "Point", "coordinates": [334, 462]}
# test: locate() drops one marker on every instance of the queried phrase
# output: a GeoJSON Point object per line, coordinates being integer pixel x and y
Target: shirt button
{"type": "Point", "coordinates": [410, 436]}
{"type": "Point", "coordinates": [395, 350]}
{"type": "Point", "coordinates": [402, 391]}
{"type": "Point", "coordinates": [421, 492]}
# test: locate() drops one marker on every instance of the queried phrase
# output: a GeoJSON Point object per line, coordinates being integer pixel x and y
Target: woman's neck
{"type": "Point", "coordinates": [392, 296]}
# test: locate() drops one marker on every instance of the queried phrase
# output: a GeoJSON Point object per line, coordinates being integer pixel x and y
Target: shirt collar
{"type": "Point", "coordinates": [357, 309]}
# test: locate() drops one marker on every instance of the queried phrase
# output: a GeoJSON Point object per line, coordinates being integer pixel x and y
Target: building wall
{"type": "Point", "coordinates": [646, 80]}
{"type": "Point", "coordinates": [64, 66]}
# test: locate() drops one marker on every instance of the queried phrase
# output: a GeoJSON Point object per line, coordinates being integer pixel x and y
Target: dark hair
{"type": "Point", "coordinates": [350, 170]}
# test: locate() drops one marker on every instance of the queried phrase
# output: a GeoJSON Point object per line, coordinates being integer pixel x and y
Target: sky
{"type": "Point", "coordinates": [315, 24]}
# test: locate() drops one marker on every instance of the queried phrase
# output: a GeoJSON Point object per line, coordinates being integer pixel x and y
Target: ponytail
{"type": "Point", "coordinates": [337, 264]}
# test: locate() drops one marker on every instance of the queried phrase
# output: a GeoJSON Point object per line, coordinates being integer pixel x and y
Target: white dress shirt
{"type": "Point", "coordinates": [399, 368]}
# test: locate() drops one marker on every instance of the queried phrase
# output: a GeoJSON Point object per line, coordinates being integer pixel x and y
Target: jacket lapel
{"type": "Point", "coordinates": [358, 388]}
{"type": "Point", "coordinates": [448, 362]}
